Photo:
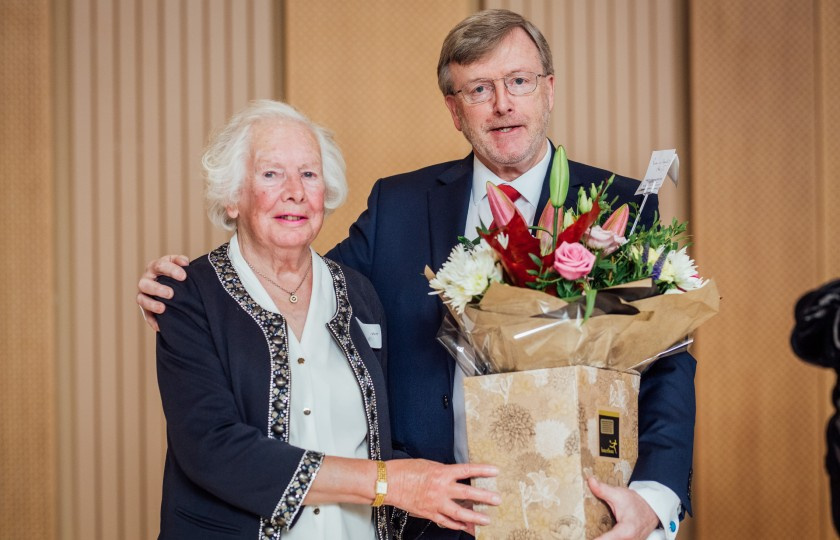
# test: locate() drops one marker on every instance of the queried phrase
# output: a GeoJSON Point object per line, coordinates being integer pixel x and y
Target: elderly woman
{"type": "Point", "coordinates": [271, 363]}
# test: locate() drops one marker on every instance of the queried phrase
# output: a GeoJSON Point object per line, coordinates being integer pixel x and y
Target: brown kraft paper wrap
{"type": "Point", "coordinates": [514, 329]}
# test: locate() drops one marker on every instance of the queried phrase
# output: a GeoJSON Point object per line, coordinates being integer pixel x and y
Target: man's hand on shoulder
{"type": "Point", "coordinates": [147, 287]}
{"type": "Point", "coordinates": [635, 519]}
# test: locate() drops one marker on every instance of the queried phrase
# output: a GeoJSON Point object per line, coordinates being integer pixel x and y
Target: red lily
{"type": "Point", "coordinates": [515, 252]}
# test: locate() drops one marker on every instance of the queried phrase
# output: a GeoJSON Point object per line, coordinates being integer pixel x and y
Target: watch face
{"type": "Point", "coordinates": [381, 488]}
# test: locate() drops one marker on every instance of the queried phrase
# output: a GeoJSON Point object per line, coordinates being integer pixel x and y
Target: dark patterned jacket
{"type": "Point", "coordinates": [224, 379]}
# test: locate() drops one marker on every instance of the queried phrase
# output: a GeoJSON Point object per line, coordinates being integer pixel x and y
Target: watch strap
{"type": "Point", "coordinates": [381, 486]}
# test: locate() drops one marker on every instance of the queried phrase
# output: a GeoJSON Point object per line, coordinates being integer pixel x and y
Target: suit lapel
{"type": "Point", "coordinates": [448, 209]}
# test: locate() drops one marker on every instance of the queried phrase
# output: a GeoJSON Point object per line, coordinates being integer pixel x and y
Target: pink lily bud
{"type": "Point", "coordinates": [546, 222]}
{"type": "Point", "coordinates": [617, 222]}
{"type": "Point", "coordinates": [501, 207]}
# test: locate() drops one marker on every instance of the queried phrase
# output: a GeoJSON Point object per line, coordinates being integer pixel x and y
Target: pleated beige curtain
{"type": "Point", "coordinates": [138, 86]}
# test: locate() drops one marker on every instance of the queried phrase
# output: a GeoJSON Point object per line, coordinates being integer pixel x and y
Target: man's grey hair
{"type": "Point", "coordinates": [477, 35]}
{"type": "Point", "coordinates": [227, 155]}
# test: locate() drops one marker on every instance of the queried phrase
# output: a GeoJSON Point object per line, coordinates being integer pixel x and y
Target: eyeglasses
{"type": "Point", "coordinates": [520, 83]}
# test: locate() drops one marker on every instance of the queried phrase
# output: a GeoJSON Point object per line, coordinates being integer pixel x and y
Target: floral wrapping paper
{"type": "Point", "coordinates": [548, 430]}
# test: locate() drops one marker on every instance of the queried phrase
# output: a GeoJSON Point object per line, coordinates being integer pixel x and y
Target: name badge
{"type": "Point", "coordinates": [373, 334]}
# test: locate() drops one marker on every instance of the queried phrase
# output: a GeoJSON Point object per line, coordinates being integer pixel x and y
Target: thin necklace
{"type": "Point", "coordinates": [292, 294]}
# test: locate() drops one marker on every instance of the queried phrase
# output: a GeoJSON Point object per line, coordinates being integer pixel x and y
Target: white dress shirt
{"type": "Point", "coordinates": [662, 499]}
{"type": "Point", "coordinates": [326, 412]}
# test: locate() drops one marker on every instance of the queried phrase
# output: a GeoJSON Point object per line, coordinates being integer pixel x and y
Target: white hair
{"type": "Point", "coordinates": [225, 160]}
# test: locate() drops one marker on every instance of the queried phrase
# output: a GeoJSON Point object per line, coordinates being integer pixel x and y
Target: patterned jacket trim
{"type": "Point", "coordinates": [339, 327]}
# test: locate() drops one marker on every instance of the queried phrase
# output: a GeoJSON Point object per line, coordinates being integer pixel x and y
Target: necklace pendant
{"type": "Point", "coordinates": [293, 298]}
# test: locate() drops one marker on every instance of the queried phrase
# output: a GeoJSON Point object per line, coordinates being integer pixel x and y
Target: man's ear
{"type": "Point", "coordinates": [452, 104]}
{"type": "Point", "coordinates": [549, 82]}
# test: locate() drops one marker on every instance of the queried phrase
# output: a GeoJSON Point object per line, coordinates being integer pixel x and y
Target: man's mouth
{"type": "Point", "coordinates": [504, 129]}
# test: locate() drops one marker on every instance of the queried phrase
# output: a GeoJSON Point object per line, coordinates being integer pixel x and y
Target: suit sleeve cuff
{"type": "Point", "coordinates": [665, 504]}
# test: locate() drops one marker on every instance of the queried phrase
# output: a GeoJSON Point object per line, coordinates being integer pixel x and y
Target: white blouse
{"type": "Point", "coordinates": [326, 413]}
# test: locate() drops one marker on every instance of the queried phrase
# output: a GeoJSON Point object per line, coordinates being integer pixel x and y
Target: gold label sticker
{"type": "Point", "coordinates": [608, 434]}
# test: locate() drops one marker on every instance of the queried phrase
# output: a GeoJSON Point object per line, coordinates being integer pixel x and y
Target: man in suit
{"type": "Point", "coordinates": [496, 74]}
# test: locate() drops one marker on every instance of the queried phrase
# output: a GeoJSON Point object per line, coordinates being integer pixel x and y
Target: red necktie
{"type": "Point", "coordinates": [511, 193]}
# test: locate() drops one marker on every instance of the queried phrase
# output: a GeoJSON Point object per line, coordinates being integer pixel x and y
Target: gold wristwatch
{"type": "Point", "coordinates": [381, 484]}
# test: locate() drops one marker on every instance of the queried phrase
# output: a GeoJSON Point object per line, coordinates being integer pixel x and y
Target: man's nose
{"type": "Point", "coordinates": [502, 103]}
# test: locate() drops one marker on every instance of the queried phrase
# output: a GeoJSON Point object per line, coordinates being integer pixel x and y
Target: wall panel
{"type": "Point", "coordinates": [27, 331]}
{"type": "Point", "coordinates": [369, 74]}
{"type": "Point", "coordinates": [151, 231]}
{"type": "Point", "coordinates": [762, 75]}
{"type": "Point", "coordinates": [827, 118]}
{"type": "Point", "coordinates": [144, 82]}
{"type": "Point", "coordinates": [127, 255]}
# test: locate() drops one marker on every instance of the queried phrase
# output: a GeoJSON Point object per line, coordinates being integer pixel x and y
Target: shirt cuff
{"type": "Point", "coordinates": [665, 504]}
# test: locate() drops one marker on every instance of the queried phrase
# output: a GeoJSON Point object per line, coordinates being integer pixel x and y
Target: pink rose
{"type": "Point", "coordinates": [603, 239]}
{"type": "Point", "coordinates": [573, 261]}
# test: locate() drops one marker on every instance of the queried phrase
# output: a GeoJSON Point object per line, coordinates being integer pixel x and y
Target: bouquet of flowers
{"type": "Point", "coordinates": [579, 289]}
{"type": "Point", "coordinates": [537, 311]}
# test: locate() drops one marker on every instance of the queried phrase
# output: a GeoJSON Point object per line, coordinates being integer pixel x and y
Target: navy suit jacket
{"type": "Point", "coordinates": [413, 220]}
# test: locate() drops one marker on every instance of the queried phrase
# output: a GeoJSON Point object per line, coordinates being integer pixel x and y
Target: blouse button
{"type": "Point", "coordinates": [301, 360]}
{"type": "Point", "coordinates": [316, 511]}
{"type": "Point", "coordinates": [307, 411]}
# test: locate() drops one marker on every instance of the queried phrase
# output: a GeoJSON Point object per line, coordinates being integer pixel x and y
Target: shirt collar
{"type": "Point", "coordinates": [529, 184]}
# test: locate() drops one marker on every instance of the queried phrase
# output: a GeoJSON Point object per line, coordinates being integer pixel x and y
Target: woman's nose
{"type": "Point", "coordinates": [293, 189]}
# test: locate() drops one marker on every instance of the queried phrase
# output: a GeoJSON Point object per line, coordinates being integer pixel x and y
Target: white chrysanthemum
{"type": "Point", "coordinates": [680, 270]}
{"type": "Point", "coordinates": [466, 274]}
